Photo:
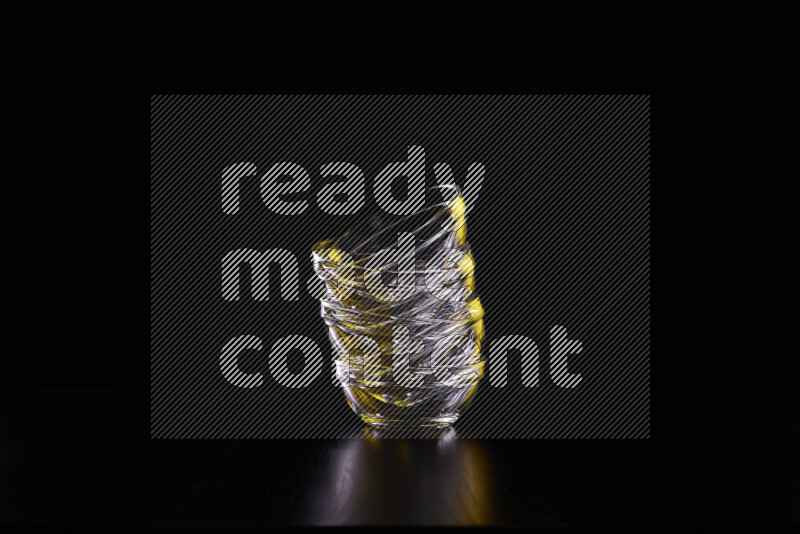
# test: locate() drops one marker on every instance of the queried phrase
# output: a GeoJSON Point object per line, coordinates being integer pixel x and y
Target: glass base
{"type": "Point", "coordinates": [439, 421]}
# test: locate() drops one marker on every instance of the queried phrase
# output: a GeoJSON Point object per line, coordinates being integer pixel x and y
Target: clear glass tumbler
{"type": "Point", "coordinates": [403, 317]}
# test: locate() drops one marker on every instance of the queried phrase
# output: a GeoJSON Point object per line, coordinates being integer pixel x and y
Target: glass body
{"type": "Point", "coordinates": [403, 317]}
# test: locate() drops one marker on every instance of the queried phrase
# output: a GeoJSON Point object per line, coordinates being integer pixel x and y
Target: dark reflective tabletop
{"type": "Point", "coordinates": [85, 457]}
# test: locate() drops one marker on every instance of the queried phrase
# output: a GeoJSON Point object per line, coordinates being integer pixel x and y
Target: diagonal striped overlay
{"type": "Point", "coordinates": [560, 233]}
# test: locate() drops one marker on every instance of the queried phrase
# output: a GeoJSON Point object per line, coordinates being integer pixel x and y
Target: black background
{"type": "Point", "coordinates": [83, 225]}
{"type": "Point", "coordinates": [78, 234]}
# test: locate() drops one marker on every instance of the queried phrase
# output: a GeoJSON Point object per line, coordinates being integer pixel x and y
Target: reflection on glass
{"type": "Point", "coordinates": [377, 481]}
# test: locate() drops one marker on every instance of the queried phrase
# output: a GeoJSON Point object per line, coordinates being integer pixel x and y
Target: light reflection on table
{"type": "Point", "coordinates": [374, 480]}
